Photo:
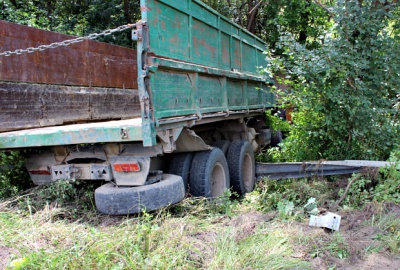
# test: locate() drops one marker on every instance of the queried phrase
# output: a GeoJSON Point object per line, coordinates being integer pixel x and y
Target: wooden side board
{"type": "Point", "coordinates": [25, 105]}
{"type": "Point", "coordinates": [84, 82]}
{"type": "Point", "coordinates": [89, 63]}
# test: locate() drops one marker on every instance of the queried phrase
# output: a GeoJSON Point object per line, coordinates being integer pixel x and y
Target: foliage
{"type": "Point", "coordinates": [13, 176]}
{"type": "Point", "coordinates": [346, 91]}
{"type": "Point", "coordinates": [305, 19]}
{"type": "Point", "coordinates": [383, 187]}
{"type": "Point", "coordinates": [274, 122]}
{"type": "Point", "coordinates": [80, 18]}
{"type": "Point", "coordinates": [390, 226]}
{"type": "Point", "coordinates": [290, 196]}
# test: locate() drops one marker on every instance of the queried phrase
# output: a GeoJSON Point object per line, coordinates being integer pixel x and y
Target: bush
{"type": "Point", "coordinates": [346, 91]}
{"type": "Point", "coordinates": [13, 175]}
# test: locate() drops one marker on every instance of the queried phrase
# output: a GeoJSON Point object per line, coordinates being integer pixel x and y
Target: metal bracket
{"type": "Point", "coordinates": [168, 138]}
{"type": "Point", "coordinates": [137, 34]}
{"type": "Point", "coordinates": [124, 133]}
{"type": "Point", "coordinates": [62, 172]}
{"type": "Point", "coordinates": [81, 172]}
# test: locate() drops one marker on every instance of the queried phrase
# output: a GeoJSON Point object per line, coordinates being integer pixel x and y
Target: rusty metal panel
{"type": "Point", "coordinates": [89, 63]}
{"type": "Point", "coordinates": [25, 105]}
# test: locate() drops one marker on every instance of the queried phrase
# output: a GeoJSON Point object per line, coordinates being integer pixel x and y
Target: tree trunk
{"type": "Point", "coordinates": [253, 7]}
{"type": "Point", "coordinates": [49, 9]}
{"type": "Point", "coordinates": [127, 12]}
{"type": "Point", "coordinates": [303, 35]}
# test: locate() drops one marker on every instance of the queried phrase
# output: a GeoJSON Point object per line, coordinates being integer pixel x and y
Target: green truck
{"type": "Point", "coordinates": [182, 112]}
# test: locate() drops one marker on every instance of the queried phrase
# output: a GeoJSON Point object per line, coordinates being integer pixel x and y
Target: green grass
{"type": "Point", "coordinates": [197, 234]}
{"type": "Point", "coordinates": [146, 242]}
{"type": "Point", "coordinates": [57, 227]}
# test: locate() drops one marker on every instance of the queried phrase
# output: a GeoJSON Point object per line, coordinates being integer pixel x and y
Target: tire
{"type": "Point", "coordinates": [112, 200]}
{"type": "Point", "coordinates": [209, 174]}
{"type": "Point", "coordinates": [241, 167]}
{"type": "Point", "coordinates": [180, 165]}
{"type": "Point", "coordinates": [223, 145]}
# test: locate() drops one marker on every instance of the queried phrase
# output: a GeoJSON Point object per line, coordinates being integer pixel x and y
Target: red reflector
{"type": "Point", "coordinates": [40, 172]}
{"type": "Point", "coordinates": [127, 167]}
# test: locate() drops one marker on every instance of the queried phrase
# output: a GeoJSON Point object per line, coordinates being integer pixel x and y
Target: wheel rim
{"type": "Point", "coordinates": [247, 169]}
{"type": "Point", "coordinates": [218, 180]}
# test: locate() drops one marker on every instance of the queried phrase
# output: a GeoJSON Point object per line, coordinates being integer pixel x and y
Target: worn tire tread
{"type": "Point", "coordinates": [200, 180]}
{"type": "Point", "coordinates": [235, 156]}
{"type": "Point", "coordinates": [112, 200]}
{"type": "Point", "coordinates": [180, 165]}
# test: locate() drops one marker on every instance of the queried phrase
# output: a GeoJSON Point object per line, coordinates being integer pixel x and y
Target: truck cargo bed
{"type": "Point", "coordinates": [88, 81]}
{"type": "Point", "coordinates": [190, 64]}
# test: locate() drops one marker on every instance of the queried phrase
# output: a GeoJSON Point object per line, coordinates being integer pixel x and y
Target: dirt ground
{"type": "Point", "coordinates": [357, 231]}
{"type": "Point", "coordinates": [5, 256]}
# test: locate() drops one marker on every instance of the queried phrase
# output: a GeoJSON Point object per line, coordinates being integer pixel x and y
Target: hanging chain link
{"type": "Point", "coordinates": [68, 42]}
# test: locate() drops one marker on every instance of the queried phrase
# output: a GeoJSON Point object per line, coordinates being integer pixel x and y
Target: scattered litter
{"type": "Point", "coordinates": [327, 220]}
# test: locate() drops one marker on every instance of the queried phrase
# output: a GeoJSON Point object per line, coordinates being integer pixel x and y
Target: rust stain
{"type": "Point", "coordinates": [177, 21]}
{"type": "Point", "coordinates": [205, 45]}
{"type": "Point", "coordinates": [226, 58]}
{"type": "Point", "coordinates": [163, 26]}
{"type": "Point", "coordinates": [81, 64]}
{"type": "Point", "coordinates": [237, 55]}
{"type": "Point", "coordinates": [196, 46]}
{"type": "Point", "coordinates": [155, 21]}
{"type": "Point", "coordinates": [174, 40]}
{"type": "Point", "coordinates": [145, 8]}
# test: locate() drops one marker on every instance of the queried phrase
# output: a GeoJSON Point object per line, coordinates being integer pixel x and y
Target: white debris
{"type": "Point", "coordinates": [327, 220]}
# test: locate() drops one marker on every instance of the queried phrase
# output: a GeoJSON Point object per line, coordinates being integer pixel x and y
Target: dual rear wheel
{"type": "Point", "coordinates": [210, 173]}
{"type": "Point", "coordinates": [207, 173]}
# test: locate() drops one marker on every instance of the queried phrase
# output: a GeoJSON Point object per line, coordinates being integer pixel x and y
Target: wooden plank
{"type": "Point", "coordinates": [89, 63]}
{"type": "Point", "coordinates": [36, 105]}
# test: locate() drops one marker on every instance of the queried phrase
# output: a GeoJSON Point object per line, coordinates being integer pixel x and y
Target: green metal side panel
{"type": "Point", "coordinates": [200, 62]}
{"type": "Point", "coordinates": [113, 131]}
{"type": "Point", "coordinates": [186, 89]}
{"type": "Point", "coordinates": [190, 31]}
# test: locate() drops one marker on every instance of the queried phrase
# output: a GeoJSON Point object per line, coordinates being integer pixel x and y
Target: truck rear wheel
{"type": "Point", "coordinates": [113, 200]}
{"type": "Point", "coordinates": [241, 167]}
{"type": "Point", "coordinates": [223, 145]}
{"type": "Point", "coordinates": [180, 165]}
{"type": "Point", "coordinates": [209, 174]}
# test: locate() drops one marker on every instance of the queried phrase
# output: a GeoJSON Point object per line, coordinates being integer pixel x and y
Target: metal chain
{"type": "Point", "coordinates": [68, 42]}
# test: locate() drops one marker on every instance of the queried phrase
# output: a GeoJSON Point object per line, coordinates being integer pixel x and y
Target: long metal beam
{"type": "Point", "coordinates": [278, 171]}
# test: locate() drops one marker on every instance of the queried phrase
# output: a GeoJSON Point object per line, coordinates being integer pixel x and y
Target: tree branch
{"type": "Point", "coordinates": [324, 7]}
{"type": "Point", "coordinates": [336, 205]}
{"type": "Point", "coordinates": [251, 16]}
{"type": "Point", "coordinates": [256, 6]}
